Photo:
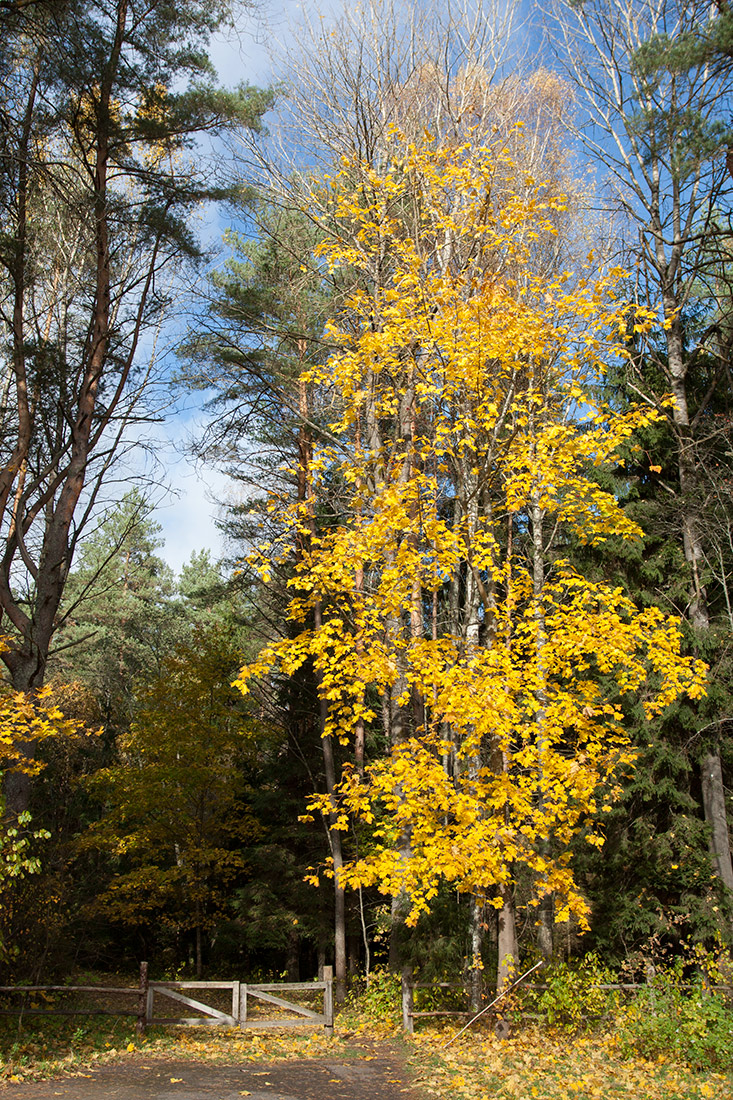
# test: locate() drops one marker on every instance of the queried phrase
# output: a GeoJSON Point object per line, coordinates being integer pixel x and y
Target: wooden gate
{"type": "Point", "coordinates": [241, 992]}
{"type": "Point", "coordinates": [213, 1017]}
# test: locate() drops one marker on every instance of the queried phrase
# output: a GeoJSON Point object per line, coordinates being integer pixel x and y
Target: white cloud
{"type": "Point", "coordinates": [187, 496]}
{"type": "Point", "coordinates": [188, 513]}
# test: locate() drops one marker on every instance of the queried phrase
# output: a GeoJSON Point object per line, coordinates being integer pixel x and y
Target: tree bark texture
{"type": "Point", "coordinates": [713, 795]}
{"type": "Point", "coordinates": [507, 941]}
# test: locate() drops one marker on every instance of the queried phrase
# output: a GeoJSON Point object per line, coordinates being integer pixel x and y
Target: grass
{"type": "Point", "coordinates": [533, 1064]}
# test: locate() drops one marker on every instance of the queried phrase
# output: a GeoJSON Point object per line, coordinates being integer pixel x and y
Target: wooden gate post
{"type": "Point", "coordinates": [242, 1006]}
{"type": "Point", "coordinates": [142, 999]}
{"type": "Point", "coordinates": [328, 999]}
{"type": "Point", "coordinates": [408, 1000]}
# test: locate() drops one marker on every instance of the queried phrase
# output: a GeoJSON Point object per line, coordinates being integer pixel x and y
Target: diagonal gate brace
{"type": "Point", "coordinates": [253, 991]}
{"type": "Point", "coordinates": [225, 1017]}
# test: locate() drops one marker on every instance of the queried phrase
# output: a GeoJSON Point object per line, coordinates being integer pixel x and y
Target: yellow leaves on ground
{"type": "Point", "coordinates": [533, 1064]}
{"type": "Point", "coordinates": [62, 1051]}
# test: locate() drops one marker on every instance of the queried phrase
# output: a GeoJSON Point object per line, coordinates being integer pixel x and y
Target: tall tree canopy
{"type": "Point", "coordinates": [654, 89]}
{"type": "Point", "coordinates": [107, 105]}
{"type": "Point", "coordinates": [462, 402]}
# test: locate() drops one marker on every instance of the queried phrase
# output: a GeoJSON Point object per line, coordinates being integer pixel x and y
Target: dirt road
{"type": "Point", "coordinates": [373, 1076]}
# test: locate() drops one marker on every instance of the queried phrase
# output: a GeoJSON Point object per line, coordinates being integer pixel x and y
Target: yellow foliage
{"type": "Point", "coordinates": [463, 392]}
{"type": "Point", "coordinates": [25, 720]}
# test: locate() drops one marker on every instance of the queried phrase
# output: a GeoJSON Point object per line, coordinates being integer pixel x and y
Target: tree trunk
{"type": "Point", "coordinates": [507, 941]}
{"type": "Point", "coordinates": [546, 925]}
{"type": "Point", "coordinates": [713, 797]}
{"type": "Point", "coordinates": [27, 663]}
{"type": "Point", "coordinates": [293, 959]}
{"type": "Point", "coordinates": [352, 951]}
{"type": "Point", "coordinates": [476, 971]}
{"type": "Point", "coordinates": [398, 726]}
{"type": "Point", "coordinates": [546, 909]}
{"type": "Point", "coordinates": [399, 907]}
{"type": "Point", "coordinates": [334, 837]}
{"type": "Point", "coordinates": [27, 666]}
{"type": "Point", "coordinates": [304, 540]}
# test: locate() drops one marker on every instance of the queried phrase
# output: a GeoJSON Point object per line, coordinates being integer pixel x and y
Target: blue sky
{"type": "Point", "coordinates": [187, 513]}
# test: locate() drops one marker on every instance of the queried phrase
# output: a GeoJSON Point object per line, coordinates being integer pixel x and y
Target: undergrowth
{"type": "Point", "coordinates": [664, 1043]}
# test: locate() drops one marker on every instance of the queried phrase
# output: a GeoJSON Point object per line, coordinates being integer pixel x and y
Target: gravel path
{"type": "Point", "coordinates": [372, 1076]}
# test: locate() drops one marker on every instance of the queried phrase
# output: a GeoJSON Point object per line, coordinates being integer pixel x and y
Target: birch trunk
{"type": "Point", "coordinates": [545, 915]}
{"type": "Point", "coordinates": [304, 488]}
{"type": "Point", "coordinates": [476, 971]}
{"type": "Point", "coordinates": [334, 839]}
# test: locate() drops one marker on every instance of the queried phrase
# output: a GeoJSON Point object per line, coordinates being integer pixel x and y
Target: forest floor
{"type": "Point", "coordinates": [364, 1060]}
{"type": "Point", "coordinates": [374, 1073]}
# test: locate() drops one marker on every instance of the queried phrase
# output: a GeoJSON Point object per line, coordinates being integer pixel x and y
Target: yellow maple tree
{"type": "Point", "coordinates": [469, 432]}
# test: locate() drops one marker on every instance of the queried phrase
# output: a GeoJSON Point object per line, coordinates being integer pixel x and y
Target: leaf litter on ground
{"type": "Point", "coordinates": [533, 1064]}
{"type": "Point", "coordinates": [536, 1065]}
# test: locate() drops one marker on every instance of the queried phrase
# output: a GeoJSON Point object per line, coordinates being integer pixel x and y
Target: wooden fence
{"type": "Point", "coordinates": [209, 1015]}
{"type": "Point", "coordinates": [138, 992]}
{"type": "Point", "coordinates": [409, 985]}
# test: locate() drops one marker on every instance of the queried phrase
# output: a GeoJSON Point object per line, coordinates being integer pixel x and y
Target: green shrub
{"type": "Point", "coordinates": [669, 1019]}
{"type": "Point", "coordinates": [382, 998]}
{"type": "Point", "coordinates": [572, 1001]}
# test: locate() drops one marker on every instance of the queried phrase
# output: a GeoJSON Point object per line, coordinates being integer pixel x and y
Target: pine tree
{"type": "Point", "coordinates": [100, 172]}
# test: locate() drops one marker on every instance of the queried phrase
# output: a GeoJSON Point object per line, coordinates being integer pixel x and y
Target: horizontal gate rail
{"type": "Point", "coordinates": [67, 989]}
{"type": "Point", "coordinates": [50, 1008]}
